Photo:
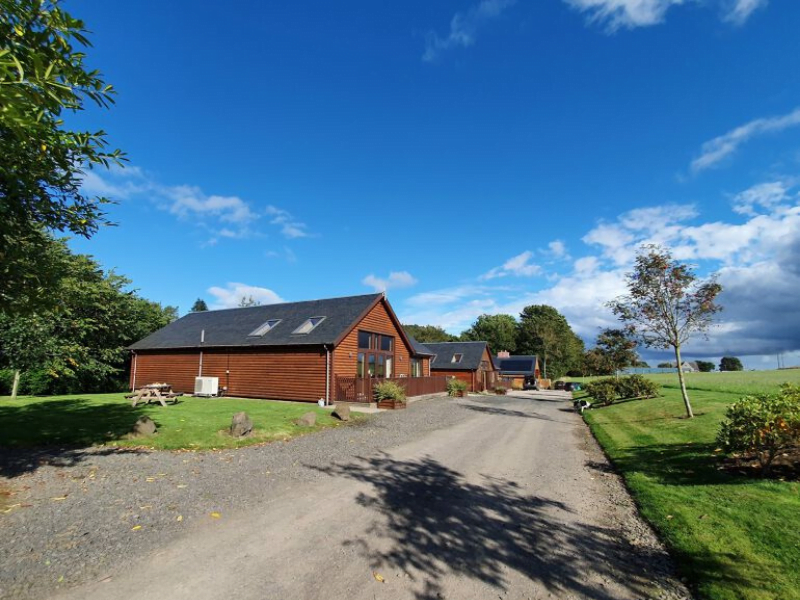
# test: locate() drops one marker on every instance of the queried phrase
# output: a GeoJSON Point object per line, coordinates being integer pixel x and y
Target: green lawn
{"type": "Point", "coordinates": [733, 537]}
{"type": "Point", "coordinates": [736, 382]}
{"type": "Point", "coordinates": [192, 423]}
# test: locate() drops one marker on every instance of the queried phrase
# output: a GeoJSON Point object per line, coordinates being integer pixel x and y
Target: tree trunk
{"type": "Point", "coordinates": [682, 381]}
{"type": "Point", "coordinates": [15, 385]}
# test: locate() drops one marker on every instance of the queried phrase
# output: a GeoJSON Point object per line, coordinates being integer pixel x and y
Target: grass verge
{"type": "Point", "coordinates": [192, 423]}
{"type": "Point", "coordinates": [733, 538]}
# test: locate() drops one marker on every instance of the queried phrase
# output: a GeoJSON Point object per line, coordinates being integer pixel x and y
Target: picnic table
{"type": "Point", "coordinates": [154, 392]}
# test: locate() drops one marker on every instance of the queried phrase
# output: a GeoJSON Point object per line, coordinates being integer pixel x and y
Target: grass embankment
{"type": "Point", "coordinates": [192, 423]}
{"type": "Point", "coordinates": [733, 537]}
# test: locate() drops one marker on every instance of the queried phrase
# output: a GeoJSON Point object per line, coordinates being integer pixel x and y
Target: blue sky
{"type": "Point", "coordinates": [467, 157]}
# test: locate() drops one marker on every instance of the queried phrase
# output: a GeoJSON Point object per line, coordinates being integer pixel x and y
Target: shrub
{"type": "Point", "coordinates": [602, 390]}
{"type": "Point", "coordinates": [389, 390]}
{"type": "Point", "coordinates": [500, 390]}
{"type": "Point", "coordinates": [636, 386]}
{"type": "Point", "coordinates": [456, 387]}
{"type": "Point", "coordinates": [763, 425]}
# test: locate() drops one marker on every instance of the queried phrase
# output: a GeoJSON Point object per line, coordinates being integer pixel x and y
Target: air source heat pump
{"type": "Point", "coordinates": [206, 386]}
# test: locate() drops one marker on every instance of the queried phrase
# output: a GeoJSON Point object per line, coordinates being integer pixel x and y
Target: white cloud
{"type": "Point", "coordinates": [231, 295]}
{"type": "Point", "coordinates": [290, 228]}
{"type": "Point", "coordinates": [557, 249]}
{"type": "Point", "coordinates": [714, 151]}
{"type": "Point", "coordinates": [738, 11]}
{"type": "Point", "coordinates": [464, 27]}
{"type": "Point", "coordinates": [764, 195]}
{"type": "Point", "coordinates": [190, 201]}
{"type": "Point", "coordinates": [396, 279]}
{"type": "Point", "coordinates": [616, 14]}
{"type": "Point", "coordinates": [119, 184]}
{"type": "Point", "coordinates": [229, 217]}
{"type": "Point", "coordinates": [630, 14]}
{"type": "Point", "coordinates": [756, 256]}
{"type": "Point", "coordinates": [519, 265]}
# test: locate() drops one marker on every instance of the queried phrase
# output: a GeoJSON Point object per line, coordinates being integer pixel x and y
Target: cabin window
{"type": "Point", "coordinates": [416, 367]}
{"type": "Point", "coordinates": [262, 329]}
{"type": "Point", "coordinates": [375, 355]}
{"type": "Point", "coordinates": [360, 365]}
{"type": "Point", "coordinates": [309, 325]}
{"type": "Point", "coordinates": [364, 338]}
{"type": "Point", "coordinates": [456, 358]}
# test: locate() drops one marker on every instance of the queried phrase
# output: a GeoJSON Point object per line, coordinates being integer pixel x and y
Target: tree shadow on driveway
{"type": "Point", "coordinates": [437, 525]}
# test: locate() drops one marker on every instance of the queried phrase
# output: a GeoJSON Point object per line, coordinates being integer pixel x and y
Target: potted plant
{"type": "Point", "coordinates": [389, 394]}
{"type": "Point", "coordinates": [456, 388]}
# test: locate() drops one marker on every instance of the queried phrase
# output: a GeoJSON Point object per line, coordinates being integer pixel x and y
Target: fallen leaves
{"type": "Point", "coordinates": [378, 577]}
{"type": "Point", "coordinates": [216, 515]}
{"type": "Point", "coordinates": [136, 528]}
{"type": "Point", "coordinates": [179, 518]}
{"type": "Point", "coordinates": [64, 497]}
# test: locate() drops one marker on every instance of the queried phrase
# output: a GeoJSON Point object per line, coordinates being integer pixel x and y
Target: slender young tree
{"type": "Point", "coordinates": [666, 304]}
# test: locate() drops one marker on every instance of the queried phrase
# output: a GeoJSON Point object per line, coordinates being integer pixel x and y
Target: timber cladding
{"type": "Point", "coordinates": [377, 320]}
{"type": "Point", "coordinates": [279, 373]}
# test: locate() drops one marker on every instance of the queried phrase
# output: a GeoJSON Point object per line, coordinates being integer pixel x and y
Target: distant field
{"type": "Point", "coordinates": [734, 382]}
{"type": "Point", "coordinates": [734, 538]}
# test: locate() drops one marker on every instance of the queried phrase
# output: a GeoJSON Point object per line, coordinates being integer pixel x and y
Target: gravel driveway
{"type": "Point", "coordinates": [481, 497]}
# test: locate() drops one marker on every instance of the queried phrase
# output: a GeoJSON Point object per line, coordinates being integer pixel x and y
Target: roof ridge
{"type": "Point", "coordinates": [284, 303]}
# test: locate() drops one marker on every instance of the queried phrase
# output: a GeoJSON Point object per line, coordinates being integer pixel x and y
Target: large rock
{"type": "Point", "coordinates": [342, 412]}
{"type": "Point", "coordinates": [144, 426]}
{"type": "Point", "coordinates": [241, 425]}
{"type": "Point", "coordinates": [307, 420]}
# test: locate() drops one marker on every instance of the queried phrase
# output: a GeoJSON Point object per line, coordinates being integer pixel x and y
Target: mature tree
{"type": "Point", "coordinates": [730, 363]}
{"type": "Point", "coordinates": [595, 363]}
{"type": "Point", "coordinates": [43, 76]}
{"type": "Point", "coordinates": [80, 344]}
{"type": "Point", "coordinates": [248, 301]}
{"type": "Point", "coordinates": [199, 305]}
{"type": "Point", "coordinates": [618, 348]}
{"type": "Point", "coordinates": [666, 365]}
{"type": "Point", "coordinates": [666, 304]}
{"type": "Point", "coordinates": [641, 364]}
{"type": "Point", "coordinates": [500, 331]}
{"type": "Point", "coordinates": [429, 334]}
{"type": "Point", "coordinates": [545, 332]}
{"type": "Point", "coordinates": [705, 366]}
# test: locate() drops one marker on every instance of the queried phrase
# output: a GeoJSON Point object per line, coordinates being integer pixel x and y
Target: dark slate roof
{"type": "Point", "coordinates": [420, 349]}
{"type": "Point", "coordinates": [516, 365]}
{"type": "Point", "coordinates": [230, 327]}
{"type": "Point", "coordinates": [472, 354]}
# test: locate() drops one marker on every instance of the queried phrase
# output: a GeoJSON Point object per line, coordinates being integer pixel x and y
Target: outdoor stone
{"type": "Point", "coordinates": [342, 412]}
{"type": "Point", "coordinates": [241, 425]}
{"type": "Point", "coordinates": [307, 420]}
{"type": "Point", "coordinates": [144, 426]}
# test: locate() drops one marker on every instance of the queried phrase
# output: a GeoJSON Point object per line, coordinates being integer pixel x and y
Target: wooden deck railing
{"type": "Point", "coordinates": [360, 389]}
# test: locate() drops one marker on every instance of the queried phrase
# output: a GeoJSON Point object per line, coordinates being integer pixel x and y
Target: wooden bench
{"type": "Point", "coordinates": [150, 394]}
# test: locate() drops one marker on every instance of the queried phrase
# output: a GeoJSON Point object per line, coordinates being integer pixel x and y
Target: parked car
{"type": "Point", "coordinates": [572, 386]}
{"type": "Point", "coordinates": [530, 383]}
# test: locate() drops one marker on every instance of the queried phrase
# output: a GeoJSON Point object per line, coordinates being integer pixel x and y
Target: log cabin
{"type": "Point", "coordinates": [471, 362]}
{"type": "Point", "coordinates": [303, 351]}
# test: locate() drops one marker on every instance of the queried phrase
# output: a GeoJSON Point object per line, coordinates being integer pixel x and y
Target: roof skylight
{"type": "Point", "coordinates": [262, 329]}
{"type": "Point", "coordinates": [309, 325]}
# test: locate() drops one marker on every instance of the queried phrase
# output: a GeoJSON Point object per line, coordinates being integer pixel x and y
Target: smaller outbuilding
{"type": "Point", "coordinates": [470, 362]}
{"type": "Point", "coordinates": [521, 370]}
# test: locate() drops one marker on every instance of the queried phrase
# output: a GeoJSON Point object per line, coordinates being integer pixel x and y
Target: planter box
{"type": "Point", "coordinates": [391, 404]}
